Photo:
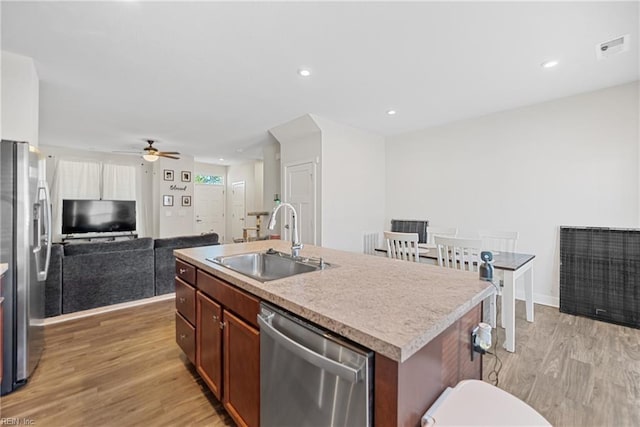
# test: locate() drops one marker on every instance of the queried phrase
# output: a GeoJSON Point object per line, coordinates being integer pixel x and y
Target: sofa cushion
{"type": "Point", "coordinates": [116, 246]}
{"type": "Point", "coordinates": [165, 262]}
{"type": "Point", "coordinates": [103, 278]}
{"type": "Point", "coordinates": [186, 241]}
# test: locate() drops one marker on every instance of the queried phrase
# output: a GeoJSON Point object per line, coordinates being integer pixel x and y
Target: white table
{"type": "Point", "coordinates": [513, 265]}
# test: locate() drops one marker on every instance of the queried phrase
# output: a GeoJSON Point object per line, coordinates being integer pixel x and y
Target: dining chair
{"type": "Point", "coordinates": [402, 246]}
{"type": "Point", "coordinates": [496, 242]}
{"type": "Point", "coordinates": [463, 254]}
{"type": "Point", "coordinates": [504, 241]}
{"type": "Point", "coordinates": [458, 253]}
{"type": "Point", "coordinates": [440, 231]}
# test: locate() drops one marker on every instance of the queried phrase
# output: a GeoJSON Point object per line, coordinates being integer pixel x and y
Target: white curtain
{"type": "Point", "coordinates": [73, 180]}
{"type": "Point", "coordinates": [120, 182]}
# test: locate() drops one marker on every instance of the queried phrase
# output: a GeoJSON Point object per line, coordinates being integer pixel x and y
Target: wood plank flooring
{"type": "Point", "coordinates": [123, 368]}
{"type": "Point", "coordinates": [573, 370]}
{"type": "Point", "coordinates": [116, 369]}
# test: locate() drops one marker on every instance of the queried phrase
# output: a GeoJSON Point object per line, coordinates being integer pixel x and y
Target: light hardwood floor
{"type": "Point", "coordinates": [575, 371]}
{"type": "Point", "coordinates": [123, 368]}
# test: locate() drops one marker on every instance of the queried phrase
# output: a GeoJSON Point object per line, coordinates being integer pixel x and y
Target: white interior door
{"type": "Point", "coordinates": [208, 202]}
{"type": "Point", "coordinates": [237, 209]}
{"type": "Point", "coordinates": [300, 191]}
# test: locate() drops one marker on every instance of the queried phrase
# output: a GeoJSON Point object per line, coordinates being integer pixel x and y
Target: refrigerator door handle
{"type": "Point", "coordinates": [45, 205]}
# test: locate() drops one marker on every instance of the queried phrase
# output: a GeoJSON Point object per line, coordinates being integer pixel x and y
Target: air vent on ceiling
{"type": "Point", "coordinates": [612, 47]}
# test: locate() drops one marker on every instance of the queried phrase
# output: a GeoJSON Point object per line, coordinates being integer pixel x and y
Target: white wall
{"type": "Point", "coordinates": [301, 142]}
{"type": "Point", "coordinates": [572, 161]}
{"type": "Point", "coordinates": [176, 220]}
{"type": "Point", "coordinates": [353, 184]}
{"type": "Point", "coordinates": [20, 99]}
{"type": "Point", "coordinates": [271, 173]}
{"type": "Point", "coordinates": [209, 169]}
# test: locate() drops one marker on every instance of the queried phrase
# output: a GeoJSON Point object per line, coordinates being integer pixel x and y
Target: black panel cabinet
{"type": "Point", "coordinates": [600, 274]}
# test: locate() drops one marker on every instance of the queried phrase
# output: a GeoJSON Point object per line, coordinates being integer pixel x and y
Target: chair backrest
{"type": "Point", "coordinates": [411, 226]}
{"type": "Point", "coordinates": [461, 254]}
{"type": "Point", "coordinates": [505, 241]}
{"type": "Point", "coordinates": [370, 242]}
{"type": "Point", "coordinates": [440, 231]}
{"type": "Point", "coordinates": [402, 245]}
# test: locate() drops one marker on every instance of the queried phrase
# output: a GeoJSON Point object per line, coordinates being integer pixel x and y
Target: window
{"type": "Point", "coordinates": [209, 179]}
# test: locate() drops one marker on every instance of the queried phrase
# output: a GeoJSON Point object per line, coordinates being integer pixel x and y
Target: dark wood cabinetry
{"type": "Point", "coordinates": [242, 370]}
{"type": "Point", "coordinates": [226, 341]}
{"type": "Point", "coordinates": [209, 343]}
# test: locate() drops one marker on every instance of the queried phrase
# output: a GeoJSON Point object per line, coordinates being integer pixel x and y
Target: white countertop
{"type": "Point", "coordinates": [390, 306]}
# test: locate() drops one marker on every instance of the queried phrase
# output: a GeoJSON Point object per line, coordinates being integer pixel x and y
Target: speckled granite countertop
{"type": "Point", "coordinates": [392, 307]}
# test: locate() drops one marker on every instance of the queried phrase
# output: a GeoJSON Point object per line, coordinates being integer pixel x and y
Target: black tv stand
{"type": "Point", "coordinates": [77, 238]}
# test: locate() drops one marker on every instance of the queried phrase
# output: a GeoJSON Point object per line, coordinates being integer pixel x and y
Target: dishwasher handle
{"type": "Point", "coordinates": [345, 372]}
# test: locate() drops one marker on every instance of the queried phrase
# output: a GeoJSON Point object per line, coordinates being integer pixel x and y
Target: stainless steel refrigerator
{"type": "Point", "coordinates": [25, 245]}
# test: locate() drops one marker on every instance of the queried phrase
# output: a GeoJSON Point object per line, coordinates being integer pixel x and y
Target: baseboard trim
{"type": "Point", "coordinates": [541, 299]}
{"type": "Point", "coordinates": [107, 309]}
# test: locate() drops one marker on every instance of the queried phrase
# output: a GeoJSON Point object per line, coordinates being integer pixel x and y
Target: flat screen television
{"type": "Point", "coordinates": [98, 216]}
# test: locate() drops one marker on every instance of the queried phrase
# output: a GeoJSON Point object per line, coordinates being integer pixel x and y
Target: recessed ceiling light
{"type": "Point", "coordinates": [549, 64]}
{"type": "Point", "coordinates": [221, 159]}
{"type": "Point", "coordinates": [304, 72]}
{"type": "Point", "coordinates": [391, 112]}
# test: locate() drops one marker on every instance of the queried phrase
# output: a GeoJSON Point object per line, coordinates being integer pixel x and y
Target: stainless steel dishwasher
{"type": "Point", "coordinates": [309, 377]}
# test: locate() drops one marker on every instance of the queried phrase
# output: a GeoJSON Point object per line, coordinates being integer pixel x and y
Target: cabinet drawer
{"type": "Point", "coordinates": [239, 302]}
{"type": "Point", "coordinates": [186, 272]}
{"type": "Point", "coordinates": [186, 337]}
{"type": "Point", "coordinates": [186, 300]}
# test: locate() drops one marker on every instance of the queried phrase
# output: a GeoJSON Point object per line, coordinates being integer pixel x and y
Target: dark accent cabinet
{"type": "Point", "coordinates": [600, 274]}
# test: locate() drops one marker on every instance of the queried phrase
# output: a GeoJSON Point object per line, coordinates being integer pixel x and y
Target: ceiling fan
{"type": "Point", "coordinates": [151, 154]}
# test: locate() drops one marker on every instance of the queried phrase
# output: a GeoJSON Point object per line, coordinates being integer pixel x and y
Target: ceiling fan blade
{"type": "Point", "coordinates": [169, 152]}
{"type": "Point", "coordinates": [168, 156]}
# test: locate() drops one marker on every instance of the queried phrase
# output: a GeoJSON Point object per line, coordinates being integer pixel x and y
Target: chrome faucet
{"type": "Point", "coordinates": [295, 240]}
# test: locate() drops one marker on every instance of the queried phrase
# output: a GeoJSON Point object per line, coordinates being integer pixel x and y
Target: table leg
{"type": "Point", "coordinates": [509, 310]}
{"type": "Point", "coordinates": [528, 291]}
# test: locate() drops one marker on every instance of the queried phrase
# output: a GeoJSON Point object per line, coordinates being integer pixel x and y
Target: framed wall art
{"type": "Point", "coordinates": [186, 200]}
{"type": "Point", "coordinates": [167, 200]}
{"type": "Point", "coordinates": [168, 175]}
{"type": "Point", "coordinates": [186, 176]}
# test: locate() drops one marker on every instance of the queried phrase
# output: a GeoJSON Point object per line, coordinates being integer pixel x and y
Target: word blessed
{"type": "Point", "coordinates": [176, 188]}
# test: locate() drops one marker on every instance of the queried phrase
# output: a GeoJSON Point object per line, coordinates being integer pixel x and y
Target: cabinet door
{"type": "Point", "coordinates": [241, 371]}
{"type": "Point", "coordinates": [209, 343]}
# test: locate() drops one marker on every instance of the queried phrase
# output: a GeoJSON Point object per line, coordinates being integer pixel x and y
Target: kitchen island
{"type": "Point", "coordinates": [415, 317]}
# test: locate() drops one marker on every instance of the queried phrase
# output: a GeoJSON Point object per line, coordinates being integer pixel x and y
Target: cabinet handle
{"type": "Point", "coordinates": [182, 270]}
{"type": "Point", "coordinates": [222, 324]}
{"type": "Point", "coordinates": [182, 299]}
{"type": "Point", "coordinates": [215, 317]}
{"type": "Point", "coordinates": [182, 336]}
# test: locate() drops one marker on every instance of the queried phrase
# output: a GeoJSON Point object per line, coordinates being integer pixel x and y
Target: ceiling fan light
{"type": "Point", "coordinates": [150, 157]}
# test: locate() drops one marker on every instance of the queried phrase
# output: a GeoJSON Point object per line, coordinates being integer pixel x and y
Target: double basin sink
{"type": "Point", "coordinates": [269, 265]}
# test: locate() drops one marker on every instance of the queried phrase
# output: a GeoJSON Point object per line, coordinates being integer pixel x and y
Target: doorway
{"type": "Point", "coordinates": [300, 191]}
{"type": "Point", "coordinates": [209, 209]}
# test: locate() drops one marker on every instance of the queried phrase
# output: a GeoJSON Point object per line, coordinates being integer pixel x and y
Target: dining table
{"type": "Point", "coordinates": [513, 265]}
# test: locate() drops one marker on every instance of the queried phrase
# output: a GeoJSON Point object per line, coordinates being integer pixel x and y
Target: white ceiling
{"type": "Point", "coordinates": [209, 79]}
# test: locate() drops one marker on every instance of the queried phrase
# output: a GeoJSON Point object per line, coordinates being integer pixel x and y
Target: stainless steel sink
{"type": "Point", "coordinates": [270, 265]}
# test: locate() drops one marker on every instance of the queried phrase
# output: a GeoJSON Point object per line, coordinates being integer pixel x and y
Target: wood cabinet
{"type": "Point", "coordinates": [241, 370]}
{"type": "Point", "coordinates": [209, 343]}
{"type": "Point", "coordinates": [226, 345]}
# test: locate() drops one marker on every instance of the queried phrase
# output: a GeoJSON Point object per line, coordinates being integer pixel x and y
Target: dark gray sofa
{"type": "Point", "coordinates": [164, 260]}
{"type": "Point", "coordinates": [90, 275]}
{"type": "Point", "coordinates": [99, 274]}
{"type": "Point", "coordinates": [53, 284]}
